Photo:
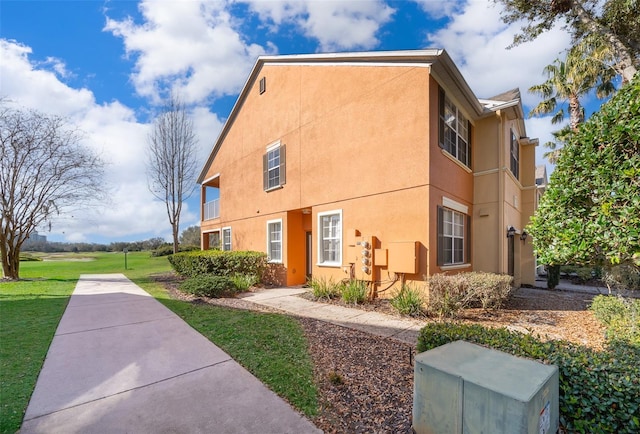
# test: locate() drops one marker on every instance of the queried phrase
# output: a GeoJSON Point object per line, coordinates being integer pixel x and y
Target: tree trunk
{"type": "Point", "coordinates": [576, 115]}
{"type": "Point", "coordinates": [11, 263]}
{"type": "Point", "coordinates": [175, 237]}
{"type": "Point", "coordinates": [625, 65]}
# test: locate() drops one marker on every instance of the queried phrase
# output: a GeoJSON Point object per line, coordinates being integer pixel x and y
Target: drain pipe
{"type": "Point", "coordinates": [501, 198]}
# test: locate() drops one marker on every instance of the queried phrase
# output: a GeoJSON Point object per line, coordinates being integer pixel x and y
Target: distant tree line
{"type": "Point", "coordinates": [190, 237]}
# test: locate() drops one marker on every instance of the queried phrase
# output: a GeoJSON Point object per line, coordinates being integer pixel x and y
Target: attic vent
{"type": "Point", "coordinates": [263, 85]}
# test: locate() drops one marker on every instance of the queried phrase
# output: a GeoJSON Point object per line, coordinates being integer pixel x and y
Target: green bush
{"type": "Point", "coordinates": [449, 294]}
{"type": "Point", "coordinates": [243, 282]}
{"type": "Point", "coordinates": [599, 391]}
{"type": "Point", "coordinates": [408, 301]}
{"type": "Point", "coordinates": [354, 291]}
{"type": "Point", "coordinates": [218, 263]}
{"type": "Point", "coordinates": [322, 287]}
{"type": "Point", "coordinates": [208, 286]}
{"type": "Point", "coordinates": [620, 315]}
{"type": "Point", "coordinates": [582, 274]}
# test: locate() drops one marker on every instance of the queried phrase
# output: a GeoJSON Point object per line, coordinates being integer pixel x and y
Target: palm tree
{"type": "Point", "coordinates": [586, 67]}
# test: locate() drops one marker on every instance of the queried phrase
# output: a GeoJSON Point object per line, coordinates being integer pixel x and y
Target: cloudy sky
{"type": "Point", "coordinates": [106, 65]}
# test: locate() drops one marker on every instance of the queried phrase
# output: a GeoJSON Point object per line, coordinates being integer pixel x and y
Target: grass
{"type": "Point", "coordinates": [270, 346]}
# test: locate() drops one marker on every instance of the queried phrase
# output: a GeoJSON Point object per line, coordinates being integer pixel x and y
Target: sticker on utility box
{"type": "Point", "coordinates": [544, 423]}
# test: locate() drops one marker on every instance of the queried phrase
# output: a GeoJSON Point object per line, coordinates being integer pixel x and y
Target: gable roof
{"type": "Point", "coordinates": [442, 68]}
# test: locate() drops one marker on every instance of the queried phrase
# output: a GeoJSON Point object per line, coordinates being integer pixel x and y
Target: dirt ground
{"type": "Point", "coordinates": [366, 382]}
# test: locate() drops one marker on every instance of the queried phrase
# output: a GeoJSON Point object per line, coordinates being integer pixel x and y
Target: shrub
{"type": "Point", "coordinates": [599, 391]}
{"type": "Point", "coordinates": [219, 263]}
{"type": "Point", "coordinates": [582, 274]}
{"type": "Point", "coordinates": [490, 289]}
{"type": "Point", "coordinates": [354, 291]}
{"type": "Point", "coordinates": [449, 294]}
{"type": "Point", "coordinates": [620, 315]}
{"type": "Point", "coordinates": [243, 282]}
{"type": "Point", "coordinates": [208, 286]}
{"type": "Point", "coordinates": [324, 288]}
{"type": "Point", "coordinates": [408, 301]}
{"type": "Point", "coordinates": [623, 277]}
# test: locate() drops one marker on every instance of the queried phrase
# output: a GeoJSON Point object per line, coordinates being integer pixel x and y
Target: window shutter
{"type": "Point", "coordinates": [283, 165]}
{"type": "Point", "coordinates": [470, 142]}
{"type": "Point", "coordinates": [468, 240]}
{"type": "Point", "coordinates": [440, 252]}
{"type": "Point", "coordinates": [441, 117]}
{"type": "Point", "coordinates": [265, 172]}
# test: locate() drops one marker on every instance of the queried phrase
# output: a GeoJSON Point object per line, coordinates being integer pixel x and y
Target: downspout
{"type": "Point", "coordinates": [501, 223]}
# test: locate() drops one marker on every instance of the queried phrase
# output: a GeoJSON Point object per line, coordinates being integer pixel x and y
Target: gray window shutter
{"type": "Point", "coordinates": [265, 172]}
{"type": "Point", "coordinates": [283, 165]}
{"type": "Point", "coordinates": [440, 251]}
{"type": "Point", "coordinates": [468, 240]}
{"type": "Point", "coordinates": [441, 116]}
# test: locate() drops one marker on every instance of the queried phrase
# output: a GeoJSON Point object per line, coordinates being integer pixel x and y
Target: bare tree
{"type": "Point", "coordinates": [172, 160]}
{"type": "Point", "coordinates": [44, 171]}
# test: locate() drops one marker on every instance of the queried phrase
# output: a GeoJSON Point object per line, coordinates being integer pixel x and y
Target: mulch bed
{"type": "Point", "coordinates": [365, 382]}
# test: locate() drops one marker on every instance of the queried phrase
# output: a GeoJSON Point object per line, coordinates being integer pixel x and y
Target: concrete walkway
{"type": "Point", "coordinates": [121, 362]}
{"type": "Point", "coordinates": [286, 299]}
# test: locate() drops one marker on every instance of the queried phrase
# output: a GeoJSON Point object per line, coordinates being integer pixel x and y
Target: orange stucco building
{"type": "Point", "coordinates": [382, 166]}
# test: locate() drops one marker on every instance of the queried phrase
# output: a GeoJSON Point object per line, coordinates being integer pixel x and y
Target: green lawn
{"type": "Point", "coordinates": [270, 346]}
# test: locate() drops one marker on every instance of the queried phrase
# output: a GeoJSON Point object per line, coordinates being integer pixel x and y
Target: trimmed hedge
{"type": "Point", "coordinates": [620, 315]}
{"type": "Point", "coordinates": [218, 263]}
{"type": "Point", "coordinates": [599, 391]}
{"type": "Point", "coordinates": [208, 286]}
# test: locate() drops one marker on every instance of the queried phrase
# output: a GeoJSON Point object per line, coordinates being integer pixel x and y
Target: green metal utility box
{"type": "Point", "coordinates": [462, 387]}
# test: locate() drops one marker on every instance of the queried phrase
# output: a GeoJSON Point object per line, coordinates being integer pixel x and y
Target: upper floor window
{"type": "Point", "coordinates": [273, 166]}
{"type": "Point", "coordinates": [515, 156]}
{"type": "Point", "coordinates": [226, 239]}
{"type": "Point", "coordinates": [274, 240]}
{"type": "Point", "coordinates": [453, 237]}
{"type": "Point", "coordinates": [454, 131]}
{"type": "Point", "coordinates": [330, 238]}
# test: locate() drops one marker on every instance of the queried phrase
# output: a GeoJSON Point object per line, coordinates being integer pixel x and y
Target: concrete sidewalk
{"type": "Point", "coordinates": [121, 362]}
{"type": "Point", "coordinates": [286, 299]}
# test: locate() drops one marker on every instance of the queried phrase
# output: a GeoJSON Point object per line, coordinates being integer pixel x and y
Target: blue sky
{"type": "Point", "coordinates": [106, 65]}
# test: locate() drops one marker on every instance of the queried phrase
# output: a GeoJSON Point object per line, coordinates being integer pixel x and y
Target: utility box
{"type": "Point", "coordinates": [466, 388]}
{"type": "Point", "coordinates": [403, 257]}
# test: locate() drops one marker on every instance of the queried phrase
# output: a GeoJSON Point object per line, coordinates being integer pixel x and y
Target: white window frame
{"type": "Point", "coordinates": [453, 236]}
{"type": "Point", "coordinates": [270, 241]}
{"type": "Point", "coordinates": [276, 180]}
{"type": "Point", "coordinates": [223, 241]}
{"type": "Point", "coordinates": [321, 239]}
{"type": "Point", "coordinates": [514, 155]}
{"type": "Point", "coordinates": [460, 128]}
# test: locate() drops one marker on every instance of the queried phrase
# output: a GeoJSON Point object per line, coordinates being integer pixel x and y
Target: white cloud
{"type": "Point", "coordinates": [191, 47]}
{"type": "Point", "coordinates": [481, 54]}
{"type": "Point", "coordinates": [113, 131]}
{"type": "Point", "coordinates": [476, 38]}
{"type": "Point", "coordinates": [335, 25]}
{"type": "Point", "coordinates": [438, 8]}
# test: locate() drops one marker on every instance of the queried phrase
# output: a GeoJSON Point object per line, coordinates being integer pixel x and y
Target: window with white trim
{"type": "Point", "coordinates": [274, 167]}
{"type": "Point", "coordinates": [453, 237]}
{"type": "Point", "coordinates": [515, 156]}
{"type": "Point", "coordinates": [274, 240]}
{"type": "Point", "coordinates": [330, 238]}
{"type": "Point", "coordinates": [226, 239]}
{"type": "Point", "coordinates": [454, 130]}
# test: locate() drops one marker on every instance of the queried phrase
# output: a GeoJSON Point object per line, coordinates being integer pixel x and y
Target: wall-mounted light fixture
{"type": "Point", "coordinates": [511, 231]}
{"type": "Point", "coordinates": [306, 211]}
{"type": "Point", "coordinates": [524, 235]}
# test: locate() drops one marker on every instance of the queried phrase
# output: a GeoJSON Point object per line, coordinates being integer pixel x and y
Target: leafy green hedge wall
{"type": "Point", "coordinates": [599, 391]}
{"type": "Point", "coordinates": [218, 263]}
